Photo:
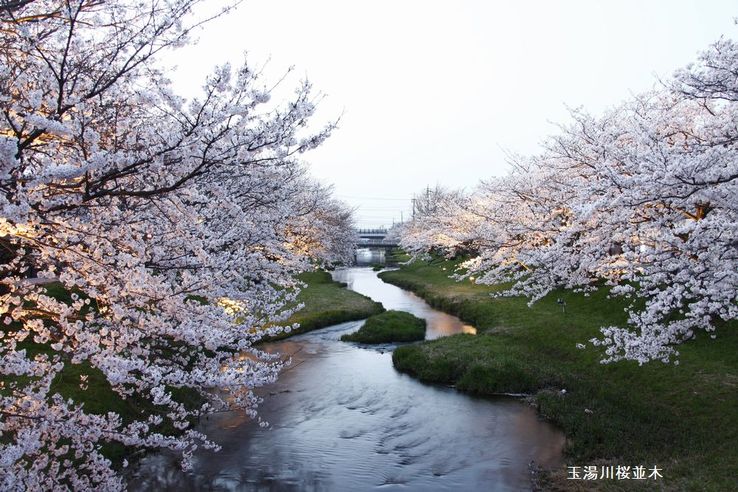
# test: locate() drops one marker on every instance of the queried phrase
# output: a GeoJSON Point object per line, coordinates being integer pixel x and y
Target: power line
{"type": "Point", "coordinates": [362, 216]}
{"type": "Point", "coordinates": [373, 198]}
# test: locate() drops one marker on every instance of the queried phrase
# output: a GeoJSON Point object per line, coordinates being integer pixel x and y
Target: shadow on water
{"type": "Point", "coordinates": [346, 420]}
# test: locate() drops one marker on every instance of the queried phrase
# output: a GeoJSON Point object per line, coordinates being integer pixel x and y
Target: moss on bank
{"type": "Point", "coordinates": [683, 419]}
{"type": "Point", "coordinates": [388, 327]}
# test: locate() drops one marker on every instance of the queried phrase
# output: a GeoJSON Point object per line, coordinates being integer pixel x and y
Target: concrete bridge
{"type": "Point", "coordinates": [374, 239]}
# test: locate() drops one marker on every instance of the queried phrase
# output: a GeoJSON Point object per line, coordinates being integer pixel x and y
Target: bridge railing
{"type": "Point", "coordinates": [377, 243]}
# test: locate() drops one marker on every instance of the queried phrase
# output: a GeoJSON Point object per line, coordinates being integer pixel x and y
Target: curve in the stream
{"type": "Point", "coordinates": [341, 418]}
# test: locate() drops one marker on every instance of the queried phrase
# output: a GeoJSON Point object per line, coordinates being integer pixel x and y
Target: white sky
{"type": "Point", "coordinates": [434, 92]}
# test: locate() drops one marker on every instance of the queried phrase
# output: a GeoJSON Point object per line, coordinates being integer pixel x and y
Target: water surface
{"type": "Point", "coordinates": [341, 418]}
{"type": "Point", "coordinates": [365, 281]}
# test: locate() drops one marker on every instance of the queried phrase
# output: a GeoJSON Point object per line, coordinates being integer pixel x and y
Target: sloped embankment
{"type": "Point", "coordinates": [680, 418]}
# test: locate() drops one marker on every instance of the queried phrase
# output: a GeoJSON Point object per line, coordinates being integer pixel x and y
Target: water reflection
{"type": "Point", "coordinates": [367, 256]}
{"type": "Point", "coordinates": [365, 281]}
{"type": "Point", "coordinates": [343, 419]}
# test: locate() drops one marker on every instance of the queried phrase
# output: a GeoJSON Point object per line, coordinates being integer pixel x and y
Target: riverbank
{"type": "Point", "coordinates": [343, 418]}
{"type": "Point", "coordinates": [682, 418]}
{"type": "Point", "coordinates": [327, 302]}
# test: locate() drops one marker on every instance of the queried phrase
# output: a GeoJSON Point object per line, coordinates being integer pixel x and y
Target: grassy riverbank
{"type": "Point", "coordinates": [683, 419]}
{"type": "Point", "coordinates": [328, 303]}
{"type": "Point", "coordinates": [388, 327]}
{"type": "Point", "coordinates": [395, 256]}
{"type": "Point", "coordinates": [96, 394]}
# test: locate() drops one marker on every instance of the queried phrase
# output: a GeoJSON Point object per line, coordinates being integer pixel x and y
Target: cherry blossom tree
{"type": "Point", "coordinates": [322, 228]}
{"type": "Point", "coordinates": [439, 223]}
{"type": "Point", "coordinates": [174, 226]}
{"type": "Point", "coordinates": [641, 200]}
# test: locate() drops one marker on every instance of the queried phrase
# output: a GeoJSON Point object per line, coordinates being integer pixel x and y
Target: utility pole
{"type": "Point", "coordinates": [413, 200]}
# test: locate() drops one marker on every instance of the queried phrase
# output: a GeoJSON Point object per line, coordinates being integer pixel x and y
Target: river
{"type": "Point", "coordinates": [341, 418]}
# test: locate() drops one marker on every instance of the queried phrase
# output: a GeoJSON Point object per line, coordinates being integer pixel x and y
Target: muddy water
{"type": "Point", "coordinates": [341, 418]}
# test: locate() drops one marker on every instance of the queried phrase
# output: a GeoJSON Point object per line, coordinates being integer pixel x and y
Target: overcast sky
{"type": "Point", "coordinates": [436, 92]}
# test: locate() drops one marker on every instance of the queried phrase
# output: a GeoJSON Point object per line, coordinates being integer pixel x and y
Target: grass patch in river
{"type": "Point", "coordinates": [387, 327]}
{"type": "Point", "coordinates": [682, 418]}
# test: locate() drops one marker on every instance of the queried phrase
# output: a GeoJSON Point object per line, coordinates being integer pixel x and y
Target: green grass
{"type": "Point", "coordinates": [99, 398]}
{"type": "Point", "coordinates": [394, 256]}
{"type": "Point", "coordinates": [387, 327]}
{"type": "Point", "coordinates": [683, 418]}
{"type": "Point", "coordinates": [328, 303]}
{"type": "Point", "coordinates": [97, 395]}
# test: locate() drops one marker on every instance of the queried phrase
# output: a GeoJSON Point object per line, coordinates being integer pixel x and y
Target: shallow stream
{"type": "Point", "coordinates": [341, 418]}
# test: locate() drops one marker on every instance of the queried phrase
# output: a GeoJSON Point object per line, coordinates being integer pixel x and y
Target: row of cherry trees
{"type": "Point", "coordinates": [644, 198]}
{"type": "Point", "coordinates": [177, 226]}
